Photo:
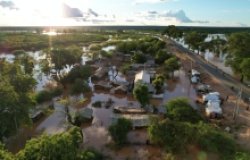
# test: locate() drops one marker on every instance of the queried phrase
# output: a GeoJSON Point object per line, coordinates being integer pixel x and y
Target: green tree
{"type": "Point", "coordinates": [171, 65]}
{"type": "Point", "coordinates": [173, 31]}
{"type": "Point", "coordinates": [179, 109]}
{"type": "Point", "coordinates": [60, 146]}
{"type": "Point", "coordinates": [139, 58]}
{"type": "Point", "coordinates": [61, 57]}
{"type": "Point", "coordinates": [16, 98]}
{"type": "Point", "coordinates": [78, 72]}
{"type": "Point", "coordinates": [119, 131]}
{"type": "Point", "coordinates": [245, 67]}
{"type": "Point", "coordinates": [140, 93]}
{"type": "Point", "coordinates": [158, 83]}
{"type": "Point", "coordinates": [195, 40]}
{"type": "Point", "coordinates": [173, 136]}
{"type": "Point", "coordinates": [161, 56]}
{"type": "Point", "coordinates": [5, 155]}
{"type": "Point", "coordinates": [238, 49]}
{"type": "Point", "coordinates": [79, 87]}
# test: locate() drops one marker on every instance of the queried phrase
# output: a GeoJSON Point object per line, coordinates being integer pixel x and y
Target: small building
{"type": "Point", "coordinates": [119, 90]}
{"type": "Point", "coordinates": [142, 76]}
{"type": "Point", "coordinates": [145, 78]}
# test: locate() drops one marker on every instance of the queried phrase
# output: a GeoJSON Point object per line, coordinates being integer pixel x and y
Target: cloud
{"type": "Point", "coordinates": [91, 12]}
{"type": "Point", "coordinates": [136, 2]}
{"type": "Point", "coordinates": [69, 12]}
{"type": "Point", "coordinates": [179, 16]}
{"type": "Point", "coordinates": [8, 4]}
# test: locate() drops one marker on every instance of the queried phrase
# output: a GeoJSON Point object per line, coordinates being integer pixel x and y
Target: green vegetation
{"type": "Point", "coordinates": [239, 53]}
{"type": "Point", "coordinates": [140, 93]}
{"type": "Point", "coordinates": [173, 32]}
{"type": "Point", "coordinates": [16, 90]}
{"type": "Point", "coordinates": [48, 95]}
{"type": "Point", "coordinates": [5, 155]}
{"type": "Point", "coordinates": [195, 40]}
{"type": "Point", "coordinates": [139, 58]}
{"type": "Point", "coordinates": [79, 87]}
{"type": "Point", "coordinates": [60, 147]}
{"type": "Point", "coordinates": [161, 56]}
{"type": "Point", "coordinates": [97, 104]}
{"type": "Point", "coordinates": [158, 83]}
{"type": "Point", "coordinates": [119, 131]}
{"type": "Point", "coordinates": [61, 57]}
{"type": "Point", "coordinates": [176, 136]}
{"type": "Point", "coordinates": [184, 127]}
{"type": "Point", "coordinates": [146, 45]}
{"type": "Point", "coordinates": [179, 109]}
{"type": "Point", "coordinates": [171, 65]}
{"type": "Point", "coordinates": [32, 41]}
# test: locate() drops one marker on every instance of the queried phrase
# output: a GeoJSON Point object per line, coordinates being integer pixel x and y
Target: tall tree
{"type": "Point", "coordinates": [195, 40]}
{"type": "Point", "coordinates": [119, 130]}
{"type": "Point", "coordinates": [173, 31]}
{"type": "Point", "coordinates": [60, 146]}
{"type": "Point", "coordinates": [15, 97]}
{"type": "Point", "coordinates": [238, 50]}
{"type": "Point", "coordinates": [140, 92]}
{"type": "Point", "coordinates": [171, 65]}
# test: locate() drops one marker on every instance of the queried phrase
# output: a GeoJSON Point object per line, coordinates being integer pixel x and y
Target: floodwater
{"type": "Point", "coordinates": [41, 78]}
{"type": "Point", "coordinates": [181, 88]}
{"type": "Point", "coordinates": [109, 48]}
{"type": "Point", "coordinates": [54, 123]}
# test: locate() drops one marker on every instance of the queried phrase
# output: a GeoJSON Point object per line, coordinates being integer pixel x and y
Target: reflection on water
{"type": "Point", "coordinates": [41, 78]}
{"type": "Point", "coordinates": [109, 48]}
{"type": "Point", "coordinates": [182, 89]}
{"type": "Point", "coordinates": [56, 122]}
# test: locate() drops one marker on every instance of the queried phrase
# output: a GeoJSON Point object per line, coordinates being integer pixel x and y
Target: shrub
{"type": "Point", "coordinates": [119, 131]}
{"type": "Point", "coordinates": [180, 110]}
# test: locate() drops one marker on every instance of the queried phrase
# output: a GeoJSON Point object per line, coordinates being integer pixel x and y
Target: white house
{"type": "Point", "coordinates": [144, 77]}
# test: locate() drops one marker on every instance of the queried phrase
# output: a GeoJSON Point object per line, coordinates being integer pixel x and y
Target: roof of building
{"type": "Point", "coordinates": [143, 76]}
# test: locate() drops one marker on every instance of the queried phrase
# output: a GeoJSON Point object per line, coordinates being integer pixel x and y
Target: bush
{"type": "Point", "coordinates": [90, 154]}
{"type": "Point", "coordinates": [176, 136]}
{"type": "Point", "coordinates": [139, 58]}
{"type": "Point", "coordinates": [45, 95]}
{"type": "Point", "coordinates": [242, 156]}
{"type": "Point", "coordinates": [119, 131]}
{"type": "Point", "coordinates": [79, 87]}
{"type": "Point", "coordinates": [97, 104]}
{"type": "Point", "coordinates": [180, 110]}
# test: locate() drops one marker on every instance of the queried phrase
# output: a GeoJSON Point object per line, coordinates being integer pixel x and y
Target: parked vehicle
{"type": "Point", "coordinates": [212, 96]}
{"type": "Point", "coordinates": [213, 109]}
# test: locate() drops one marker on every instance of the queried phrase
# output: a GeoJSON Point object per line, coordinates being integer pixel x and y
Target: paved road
{"type": "Point", "coordinates": [226, 79]}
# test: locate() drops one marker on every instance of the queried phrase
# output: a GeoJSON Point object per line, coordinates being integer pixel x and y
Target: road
{"type": "Point", "coordinates": [226, 79]}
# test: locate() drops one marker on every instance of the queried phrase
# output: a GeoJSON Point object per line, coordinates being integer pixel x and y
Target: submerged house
{"type": "Point", "coordinates": [145, 78]}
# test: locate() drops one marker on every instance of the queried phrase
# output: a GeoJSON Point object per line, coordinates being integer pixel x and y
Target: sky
{"type": "Point", "coordinates": [125, 12]}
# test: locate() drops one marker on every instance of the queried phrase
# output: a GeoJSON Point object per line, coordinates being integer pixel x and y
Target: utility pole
{"type": "Point", "coordinates": [236, 109]}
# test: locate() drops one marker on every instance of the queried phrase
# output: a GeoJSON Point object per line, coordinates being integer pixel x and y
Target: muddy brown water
{"type": "Point", "coordinates": [96, 133]}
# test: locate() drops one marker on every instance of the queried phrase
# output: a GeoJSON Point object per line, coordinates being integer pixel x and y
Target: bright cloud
{"type": "Point", "coordinates": [112, 12]}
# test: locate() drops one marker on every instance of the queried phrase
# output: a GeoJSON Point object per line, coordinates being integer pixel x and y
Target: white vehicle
{"type": "Point", "coordinates": [195, 79]}
{"type": "Point", "coordinates": [195, 73]}
{"type": "Point", "coordinates": [213, 109]}
{"type": "Point", "coordinates": [213, 96]}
